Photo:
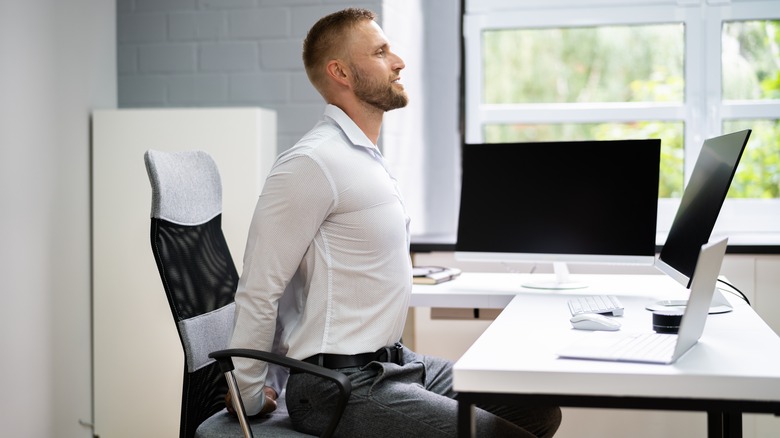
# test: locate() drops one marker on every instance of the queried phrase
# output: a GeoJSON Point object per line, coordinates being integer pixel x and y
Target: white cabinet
{"type": "Point", "coordinates": [138, 359]}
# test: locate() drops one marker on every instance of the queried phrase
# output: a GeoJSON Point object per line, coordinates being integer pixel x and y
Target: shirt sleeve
{"type": "Point", "coordinates": [296, 199]}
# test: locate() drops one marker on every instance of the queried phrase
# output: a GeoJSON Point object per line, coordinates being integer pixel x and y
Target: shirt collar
{"type": "Point", "coordinates": [351, 130]}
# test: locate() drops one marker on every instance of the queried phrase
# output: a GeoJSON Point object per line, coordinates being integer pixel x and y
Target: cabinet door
{"type": "Point", "coordinates": [138, 359]}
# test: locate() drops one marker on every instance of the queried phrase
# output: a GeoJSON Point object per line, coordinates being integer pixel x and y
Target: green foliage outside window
{"type": "Point", "coordinates": [751, 72]}
{"type": "Point", "coordinates": [758, 174]}
{"type": "Point", "coordinates": [587, 64]}
{"type": "Point", "coordinates": [751, 60]}
{"type": "Point", "coordinates": [636, 64]}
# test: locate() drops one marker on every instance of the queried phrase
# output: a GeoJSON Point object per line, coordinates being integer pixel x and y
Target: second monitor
{"type": "Point", "coordinates": [560, 202]}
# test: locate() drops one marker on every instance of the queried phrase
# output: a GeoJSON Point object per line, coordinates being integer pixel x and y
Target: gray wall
{"type": "Point", "coordinates": [57, 63]}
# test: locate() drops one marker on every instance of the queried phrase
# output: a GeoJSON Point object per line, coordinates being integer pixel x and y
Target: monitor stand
{"type": "Point", "coordinates": [561, 281]}
{"type": "Point", "coordinates": [719, 304]}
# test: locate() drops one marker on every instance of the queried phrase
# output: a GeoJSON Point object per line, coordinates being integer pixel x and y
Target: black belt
{"type": "Point", "coordinates": [338, 361]}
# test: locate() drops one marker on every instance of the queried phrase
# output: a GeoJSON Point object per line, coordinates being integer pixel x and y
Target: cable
{"type": "Point", "coordinates": [734, 291]}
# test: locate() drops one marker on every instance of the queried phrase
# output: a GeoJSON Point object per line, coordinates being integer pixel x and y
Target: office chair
{"type": "Point", "coordinates": [200, 279]}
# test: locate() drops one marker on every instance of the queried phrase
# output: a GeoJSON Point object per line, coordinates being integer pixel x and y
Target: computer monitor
{"type": "Point", "coordinates": [700, 206]}
{"type": "Point", "coordinates": [559, 202]}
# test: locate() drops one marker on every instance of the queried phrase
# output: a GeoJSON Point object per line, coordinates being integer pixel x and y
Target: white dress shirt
{"type": "Point", "coordinates": [328, 248]}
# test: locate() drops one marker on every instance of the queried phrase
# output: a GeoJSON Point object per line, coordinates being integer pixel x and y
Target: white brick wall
{"type": "Point", "coordinates": [227, 57]}
{"type": "Point", "coordinates": [166, 58]}
{"type": "Point", "coordinates": [260, 23]}
{"type": "Point", "coordinates": [195, 26]}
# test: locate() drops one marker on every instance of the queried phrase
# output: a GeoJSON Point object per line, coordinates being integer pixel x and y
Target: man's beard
{"type": "Point", "coordinates": [380, 95]}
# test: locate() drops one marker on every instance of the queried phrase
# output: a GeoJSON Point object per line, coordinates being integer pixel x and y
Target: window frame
{"type": "Point", "coordinates": [702, 112]}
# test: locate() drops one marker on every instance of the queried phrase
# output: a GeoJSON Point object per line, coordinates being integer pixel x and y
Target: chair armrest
{"type": "Point", "coordinates": [225, 360]}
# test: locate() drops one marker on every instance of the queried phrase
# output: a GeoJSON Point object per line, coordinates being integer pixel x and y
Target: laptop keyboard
{"type": "Point", "coordinates": [596, 304]}
{"type": "Point", "coordinates": [644, 346]}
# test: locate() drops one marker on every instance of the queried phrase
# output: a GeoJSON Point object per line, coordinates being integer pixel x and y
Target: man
{"type": "Point", "coordinates": [327, 273]}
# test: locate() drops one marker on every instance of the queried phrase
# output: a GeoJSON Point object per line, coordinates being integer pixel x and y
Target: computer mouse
{"type": "Point", "coordinates": [594, 321]}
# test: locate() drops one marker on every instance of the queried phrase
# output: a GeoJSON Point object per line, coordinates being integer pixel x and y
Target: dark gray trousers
{"type": "Point", "coordinates": [414, 399]}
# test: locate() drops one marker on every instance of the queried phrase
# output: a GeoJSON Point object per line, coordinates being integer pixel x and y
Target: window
{"type": "Point", "coordinates": [681, 71]}
{"type": "Point", "coordinates": [750, 60]}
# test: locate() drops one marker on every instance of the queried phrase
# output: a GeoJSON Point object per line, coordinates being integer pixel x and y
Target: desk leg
{"type": "Point", "coordinates": [724, 424]}
{"type": "Point", "coordinates": [466, 424]}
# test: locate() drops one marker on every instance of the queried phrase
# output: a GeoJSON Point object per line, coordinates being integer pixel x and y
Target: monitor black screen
{"type": "Point", "coordinates": [568, 201]}
{"type": "Point", "coordinates": [700, 204]}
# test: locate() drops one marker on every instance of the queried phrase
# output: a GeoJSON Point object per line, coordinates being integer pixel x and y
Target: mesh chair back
{"type": "Point", "coordinates": [196, 269]}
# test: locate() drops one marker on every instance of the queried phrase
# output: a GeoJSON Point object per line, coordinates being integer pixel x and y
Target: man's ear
{"type": "Point", "coordinates": [338, 71]}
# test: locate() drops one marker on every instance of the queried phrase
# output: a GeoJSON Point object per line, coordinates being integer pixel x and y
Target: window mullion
{"type": "Point", "coordinates": [712, 48]}
{"type": "Point", "coordinates": [472, 38]}
{"type": "Point", "coordinates": [696, 70]}
{"type": "Point", "coordinates": [581, 113]}
{"type": "Point", "coordinates": [767, 109]}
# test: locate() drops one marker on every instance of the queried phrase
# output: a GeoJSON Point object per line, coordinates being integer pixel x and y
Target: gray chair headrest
{"type": "Point", "coordinates": [186, 187]}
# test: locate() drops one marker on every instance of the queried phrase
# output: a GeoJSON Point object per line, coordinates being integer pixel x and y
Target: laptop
{"type": "Point", "coordinates": [659, 348]}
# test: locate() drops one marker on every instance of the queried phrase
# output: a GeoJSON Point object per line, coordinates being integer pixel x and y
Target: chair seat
{"type": "Point", "coordinates": [275, 425]}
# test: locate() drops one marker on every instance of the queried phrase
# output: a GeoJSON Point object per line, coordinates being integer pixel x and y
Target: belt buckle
{"type": "Point", "coordinates": [389, 354]}
{"type": "Point", "coordinates": [394, 353]}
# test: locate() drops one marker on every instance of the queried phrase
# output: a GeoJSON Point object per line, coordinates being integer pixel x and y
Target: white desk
{"type": "Point", "coordinates": [470, 290]}
{"type": "Point", "coordinates": [734, 368]}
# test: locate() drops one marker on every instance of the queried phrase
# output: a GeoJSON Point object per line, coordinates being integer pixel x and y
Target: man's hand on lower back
{"type": "Point", "coordinates": [268, 406]}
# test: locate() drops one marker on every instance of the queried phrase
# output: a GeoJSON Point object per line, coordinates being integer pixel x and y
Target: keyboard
{"type": "Point", "coordinates": [596, 304]}
{"type": "Point", "coordinates": [644, 347]}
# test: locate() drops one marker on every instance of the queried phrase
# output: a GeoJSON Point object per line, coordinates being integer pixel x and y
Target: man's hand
{"type": "Point", "coordinates": [270, 400]}
{"type": "Point", "coordinates": [268, 407]}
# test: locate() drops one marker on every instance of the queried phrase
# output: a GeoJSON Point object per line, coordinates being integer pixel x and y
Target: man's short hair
{"type": "Point", "coordinates": [325, 40]}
